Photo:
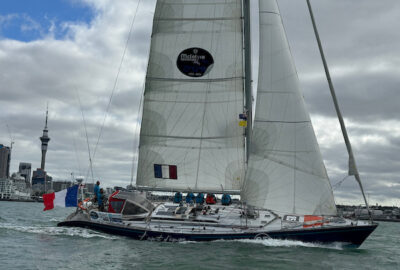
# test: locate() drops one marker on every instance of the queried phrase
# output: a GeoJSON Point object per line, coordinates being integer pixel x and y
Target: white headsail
{"type": "Point", "coordinates": [285, 168]}
{"type": "Point", "coordinates": [190, 138]}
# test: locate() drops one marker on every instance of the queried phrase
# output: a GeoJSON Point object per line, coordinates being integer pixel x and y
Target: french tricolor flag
{"type": "Point", "coordinates": [165, 171]}
{"type": "Point", "coordinates": [64, 198]}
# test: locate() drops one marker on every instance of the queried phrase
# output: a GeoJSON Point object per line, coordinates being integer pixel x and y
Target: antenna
{"type": "Point", "coordinates": [11, 138]}
{"type": "Point", "coordinates": [47, 115]}
{"type": "Point", "coordinates": [11, 147]}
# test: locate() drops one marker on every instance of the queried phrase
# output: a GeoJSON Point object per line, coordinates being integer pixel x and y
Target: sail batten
{"type": "Point", "coordinates": [285, 172]}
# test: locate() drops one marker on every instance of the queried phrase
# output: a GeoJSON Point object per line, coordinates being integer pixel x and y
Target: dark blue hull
{"type": "Point", "coordinates": [350, 236]}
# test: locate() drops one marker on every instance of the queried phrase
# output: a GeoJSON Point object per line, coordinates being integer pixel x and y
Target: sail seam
{"type": "Point", "coordinates": [288, 165]}
{"type": "Point", "coordinates": [275, 92]}
{"type": "Point", "coordinates": [190, 91]}
{"type": "Point", "coordinates": [201, 19]}
{"type": "Point", "coordinates": [184, 147]}
{"type": "Point", "coordinates": [285, 122]}
{"type": "Point", "coordinates": [269, 12]}
{"type": "Point", "coordinates": [193, 102]}
{"type": "Point", "coordinates": [195, 80]}
{"type": "Point", "coordinates": [203, 3]}
{"type": "Point", "coordinates": [287, 151]}
{"type": "Point", "coordinates": [191, 138]}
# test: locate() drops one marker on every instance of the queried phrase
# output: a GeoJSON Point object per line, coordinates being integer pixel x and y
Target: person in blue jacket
{"type": "Point", "coordinates": [200, 198]}
{"type": "Point", "coordinates": [97, 195]}
{"type": "Point", "coordinates": [178, 197]}
{"type": "Point", "coordinates": [226, 199]}
{"type": "Point", "coordinates": [190, 197]}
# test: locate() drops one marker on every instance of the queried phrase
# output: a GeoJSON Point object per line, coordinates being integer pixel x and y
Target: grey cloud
{"type": "Point", "coordinates": [361, 45]}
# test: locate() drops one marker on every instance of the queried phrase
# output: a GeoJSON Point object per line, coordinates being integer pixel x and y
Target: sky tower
{"type": "Point", "coordinates": [45, 140]}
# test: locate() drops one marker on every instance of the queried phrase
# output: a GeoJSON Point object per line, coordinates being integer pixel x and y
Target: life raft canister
{"type": "Point", "coordinates": [81, 205]}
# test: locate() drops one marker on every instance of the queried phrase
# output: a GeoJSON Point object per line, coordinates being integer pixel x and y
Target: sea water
{"type": "Point", "coordinates": [30, 239]}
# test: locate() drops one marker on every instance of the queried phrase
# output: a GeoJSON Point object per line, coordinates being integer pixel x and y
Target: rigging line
{"type": "Point", "coordinates": [135, 145]}
{"type": "Point", "coordinates": [87, 138]}
{"type": "Point", "coordinates": [77, 157]}
{"type": "Point", "coordinates": [335, 186]}
{"type": "Point", "coordinates": [116, 80]}
{"type": "Point", "coordinates": [352, 164]}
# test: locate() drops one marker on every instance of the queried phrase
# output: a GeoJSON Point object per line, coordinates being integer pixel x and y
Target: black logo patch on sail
{"type": "Point", "coordinates": [195, 62]}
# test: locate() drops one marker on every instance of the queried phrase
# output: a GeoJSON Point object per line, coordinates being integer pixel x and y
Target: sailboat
{"type": "Point", "coordinates": [200, 134]}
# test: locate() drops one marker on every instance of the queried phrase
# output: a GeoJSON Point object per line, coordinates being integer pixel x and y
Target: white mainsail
{"type": "Point", "coordinates": [190, 138]}
{"type": "Point", "coordinates": [285, 171]}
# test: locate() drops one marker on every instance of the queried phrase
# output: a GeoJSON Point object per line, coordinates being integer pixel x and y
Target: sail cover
{"type": "Point", "coordinates": [285, 172]}
{"type": "Point", "coordinates": [190, 135]}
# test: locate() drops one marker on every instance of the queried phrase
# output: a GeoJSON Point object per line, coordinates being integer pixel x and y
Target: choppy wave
{"type": "Point", "coordinates": [57, 219]}
{"type": "Point", "coordinates": [279, 243]}
{"type": "Point", "coordinates": [290, 243]}
{"type": "Point", "coordinates": [56, 231]}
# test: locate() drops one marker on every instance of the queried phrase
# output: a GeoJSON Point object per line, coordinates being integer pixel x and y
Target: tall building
{"type": "Point", "coordinates": [45, 140]}
{"type": "Point", "coordinates": [60, 185]}
{"type": "Point", "coordinates": [38, 177]}
{"type": "Point", "coordinates": [14, 188]}
{"type": "Point", "coordinates": [40, 180]}
{"type": "Point", "coordinates": [25, 171]}
{"type": "Point", "coordinates": [5, 158]}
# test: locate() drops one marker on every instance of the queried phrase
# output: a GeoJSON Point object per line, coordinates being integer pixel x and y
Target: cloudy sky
{"type": "Point", "coordinates": [62, 51]}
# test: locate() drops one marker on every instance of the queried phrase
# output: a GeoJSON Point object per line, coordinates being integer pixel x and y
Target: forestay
{"type": "Point", "coordinates": [190, 137]}
{"type": "Point", "coordinates": [285, 173]}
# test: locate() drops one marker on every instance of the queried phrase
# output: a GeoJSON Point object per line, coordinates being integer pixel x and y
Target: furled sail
{"type": "Point", "coordinates": [285, 173]}
{"type": "Point", "coordinates": [190, 135]}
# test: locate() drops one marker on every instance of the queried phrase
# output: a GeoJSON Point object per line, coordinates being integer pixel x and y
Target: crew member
{"type": "Point", "coordinates": [97, 192]}
{"type": "Point", "coordinates": [200, 198]}
{"type": "Point", "coordinates": [211, 199]}
{"type": "Point", "coordinates": [226, 199]}
{"type": "Point", "coordinates": [102, 200]}
{"type": "Point", "coordinates": [190, 197]}
{"type": "Point", "coordinates": [178, 197]}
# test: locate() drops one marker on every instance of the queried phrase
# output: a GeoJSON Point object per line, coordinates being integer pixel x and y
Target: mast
{"type": "Point", "coordinates": [247, 72]}
{"type": "Point", "coordinates": [352, 163]}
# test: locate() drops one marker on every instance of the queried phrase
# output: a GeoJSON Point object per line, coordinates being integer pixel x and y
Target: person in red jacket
{"type": "Point", "coordinates": [211, 199]}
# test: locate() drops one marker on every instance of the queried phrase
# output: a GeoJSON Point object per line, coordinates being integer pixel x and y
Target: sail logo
{"type": "Point", "coordinates": [195, 62]}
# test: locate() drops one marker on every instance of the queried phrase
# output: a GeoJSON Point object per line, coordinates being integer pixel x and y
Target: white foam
{"type": "Point", "coordinates": [290, 243]}
{"type": "Point", "coordinates": [51, 230]}
{"type": "Point", "coordinates": [57, 219]}
{"type": "Point", "coordinates": [279, 243]}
